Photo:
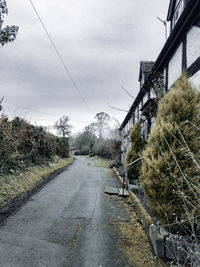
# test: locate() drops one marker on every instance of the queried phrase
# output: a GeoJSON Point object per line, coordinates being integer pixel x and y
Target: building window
{"type": "Point", "coordinates": [177, 12]}
{"type": "Point", "coordinates": [152, 93]}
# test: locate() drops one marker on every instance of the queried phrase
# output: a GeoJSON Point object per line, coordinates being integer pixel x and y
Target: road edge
{"type": "Point", "coordinates": [142, 215]}
{"type": "Point", "coordinates": [20, 200]}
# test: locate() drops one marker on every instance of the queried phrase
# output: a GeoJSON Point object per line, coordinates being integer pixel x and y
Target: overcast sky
{"type": "Point", "coordinates": [101, 43]}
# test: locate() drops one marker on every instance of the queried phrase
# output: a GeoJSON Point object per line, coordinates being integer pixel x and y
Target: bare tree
{"type": "Point", "coordinates": [91, 129]}
{"type": "Point", "coordinates": [102, 121]}
{"type": "Point", "coordinates": [62, 126]}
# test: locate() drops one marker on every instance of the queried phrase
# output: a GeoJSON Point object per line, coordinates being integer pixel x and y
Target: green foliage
{"type": "Point", "coordinates": [22, 144]}
{"type": "Point", "coordinates": [84, 142]}
{"type": "Point", "coordinates": [158, 86]}
{"type": "Point", "coordinates": [169, 175]}
{"type": "Point", "coordinates": [137, 145]}
{"type": "Point", "coordinates": [102, 148]}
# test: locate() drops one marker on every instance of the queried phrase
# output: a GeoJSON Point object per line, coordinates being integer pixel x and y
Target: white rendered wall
{"type": "Point", "coordinates": [193, 45]}
{"type": "Point", "coordinates": [195, 80]}
{"type": "Point", "coordinates": [175, 66]}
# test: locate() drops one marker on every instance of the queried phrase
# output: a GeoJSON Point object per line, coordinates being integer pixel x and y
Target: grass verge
{"type": "Point", "coordinates": [142, 214]}
{"type": "Point", "coordinates": [135, 243]}
{"type": "Point", "coordinates": [11, 186]}
{"type": "Point", "coordinates": [100, 162]}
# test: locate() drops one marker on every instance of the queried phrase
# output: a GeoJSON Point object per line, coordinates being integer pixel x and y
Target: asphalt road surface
{"type": "Point", "coordinates": [64, 224]}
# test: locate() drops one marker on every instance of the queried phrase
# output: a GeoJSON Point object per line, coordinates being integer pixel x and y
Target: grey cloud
{"type": "Point", "coordinates": [101, 42]}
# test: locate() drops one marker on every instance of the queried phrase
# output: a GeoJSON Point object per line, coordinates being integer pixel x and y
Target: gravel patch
{"type": "Point", "coordinates": [116, 210]}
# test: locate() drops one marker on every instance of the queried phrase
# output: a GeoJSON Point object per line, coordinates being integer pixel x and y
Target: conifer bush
{"type": "Point", "coordinates": [170, 163]}
{"type": "Point", "coordinates": [137, 145]}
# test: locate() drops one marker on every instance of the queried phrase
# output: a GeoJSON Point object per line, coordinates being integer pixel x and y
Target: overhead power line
{"type": "Point", "coordinates": [60, 57]}
{"type": "Point", "coordinates": [34, 110]}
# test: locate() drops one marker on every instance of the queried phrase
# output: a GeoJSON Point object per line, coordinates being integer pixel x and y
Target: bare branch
{"type": "Point", "coordinates": [2, 100]}
{"type": "Point", "coordinates": [117, 108]}
{"type": "Point", "coordinates": [117, 122]}
{"type": "Point", "coordinates": [127, 92]}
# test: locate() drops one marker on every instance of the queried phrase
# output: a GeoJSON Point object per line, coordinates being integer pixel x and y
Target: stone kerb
{"type": "Point", "coordinates": [165, 244]}
{"type": "Point", "coordinates": [142, 214]}
{"type": "Point", "coordinates": [173, 246]}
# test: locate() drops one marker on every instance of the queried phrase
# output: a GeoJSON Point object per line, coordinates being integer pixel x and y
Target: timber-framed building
{"type": "Point", "coordinates": [181, 53]}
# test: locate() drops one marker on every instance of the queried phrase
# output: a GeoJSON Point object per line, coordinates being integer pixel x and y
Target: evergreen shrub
{"type": "Point", "coordinates": [170, 163]}
{"type": "Point", "coordinates": [137, 145]}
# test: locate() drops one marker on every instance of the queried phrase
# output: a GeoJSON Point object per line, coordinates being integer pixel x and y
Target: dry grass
{"type": "Point", "coordinates": [13, 185]}
{"type": "Point", "coordinates": [135, 243]}
{"type": "Point", "coordinates": [100, 162]}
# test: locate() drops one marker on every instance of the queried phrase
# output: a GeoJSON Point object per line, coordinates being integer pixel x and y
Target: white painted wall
{"type": "Point", "coordinates": [152, 93]}
{"type": "Point", "coordinates": [195, 80]}
{"type": "Point", "coordinates": [145, 98]}
{"type": "Point", "coordinates": [193, 45]}
{"type": "Point", "coordinates": [175, 66]}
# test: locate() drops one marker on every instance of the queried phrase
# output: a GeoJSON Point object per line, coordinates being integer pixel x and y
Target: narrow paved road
{"type": "Point", "coordinates": [64, 224]}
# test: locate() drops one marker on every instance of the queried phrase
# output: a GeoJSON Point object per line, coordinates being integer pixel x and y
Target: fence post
{"type": "Point", "coordinates": [126, 177]}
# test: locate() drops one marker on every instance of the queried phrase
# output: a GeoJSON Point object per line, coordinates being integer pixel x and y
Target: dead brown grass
{"type": "Point", "coordinates": [135, 243]}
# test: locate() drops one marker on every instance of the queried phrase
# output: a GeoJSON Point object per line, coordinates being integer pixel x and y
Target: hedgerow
{"type": "Point", "coordinates": [22, 144]}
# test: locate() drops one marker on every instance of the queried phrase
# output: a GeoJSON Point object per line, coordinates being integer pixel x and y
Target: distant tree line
{"type": "Point", "coordinates": [98, 139]}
